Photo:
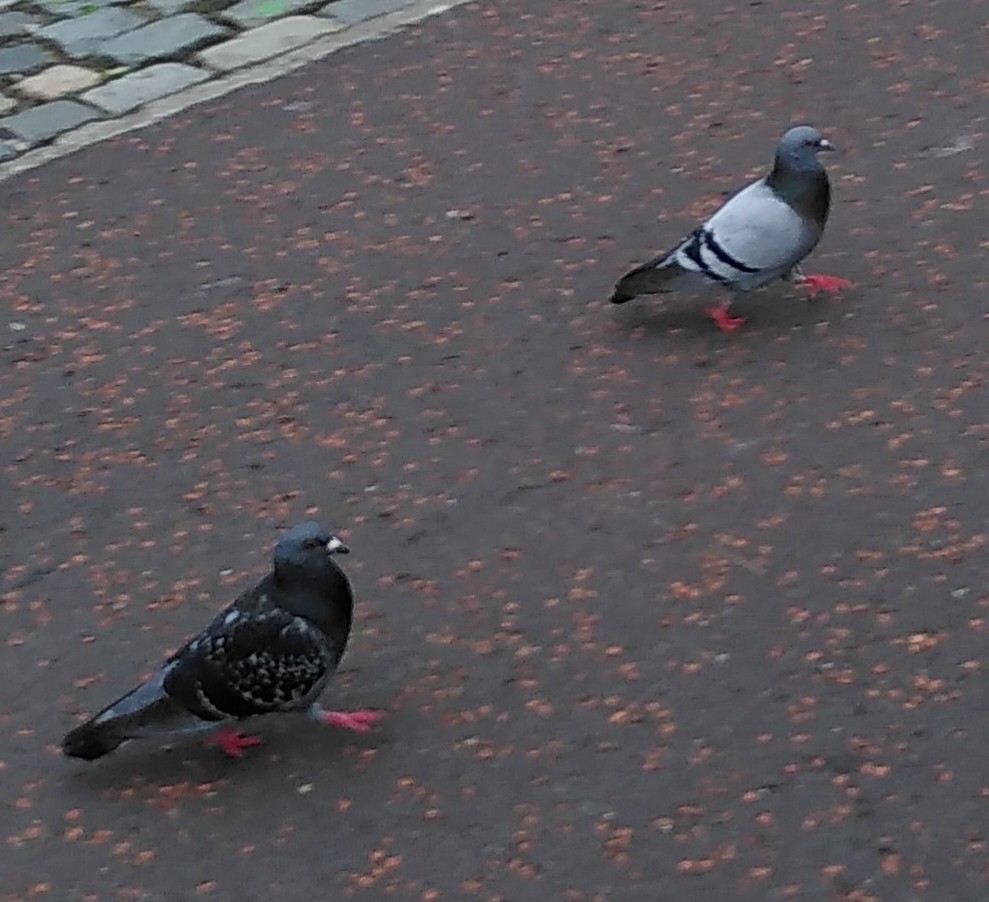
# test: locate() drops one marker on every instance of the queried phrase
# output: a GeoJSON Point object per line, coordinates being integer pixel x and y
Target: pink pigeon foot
{"type": "Point", "coordinates": [232, 743]}
{"type": "Point", "coordinates": [723, 320]}
{"type": "Point", "coordinates": [358, 721]}
{"type": "Point", "coordinates": [827, 284]}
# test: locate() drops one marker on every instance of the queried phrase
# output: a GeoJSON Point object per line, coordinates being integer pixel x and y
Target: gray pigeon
{"type": "Point", "coordinates": [760, 234]}
{"type": "Point", "coordinates": [272, 650]}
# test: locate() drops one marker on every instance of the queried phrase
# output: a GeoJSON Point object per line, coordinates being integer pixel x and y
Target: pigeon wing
{"type": "Point", "coordinates": [755, 237]}
{"type": "Point", "coordinates": [249, 663]}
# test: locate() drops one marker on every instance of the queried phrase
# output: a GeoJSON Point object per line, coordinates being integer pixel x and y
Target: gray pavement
{"type": "Point", "coordinates": [655, 613]}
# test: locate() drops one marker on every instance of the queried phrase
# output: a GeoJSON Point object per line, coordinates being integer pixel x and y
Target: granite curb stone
{"type": "Point", "coordinates": [75, 8]}
{"type": "Point", "coordinates": [265, 42]}
{"type": "Point", "coordinates": [57, 81]}
{"type": "Point", "coordinates": [23, 59]}
{"type": "Point", "coordinates": [168, 38]}
{"type": "Point", "coordinates": [350, 12]}
{"type": "Point", "coordinates": [251, 13]}
{"type": "Point", "coordinates": [16, 23]}
{"type": "Point", "coordinates": [82, 37]}
{"type": "Point", "coordinates": [174, 7]}
{"type": "Point", "coordinates": [131, 91]}
{"type": "Point", "coordinates": [41, 123]}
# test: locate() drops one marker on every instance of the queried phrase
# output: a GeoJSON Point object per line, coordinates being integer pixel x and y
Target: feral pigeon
{"type": "Point", "coordinates": [272, 650]}
{"type": "Point", "coordinates": [760, 234]}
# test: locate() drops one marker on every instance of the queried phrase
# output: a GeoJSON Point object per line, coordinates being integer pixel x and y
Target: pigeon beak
{"type": "Point", "coordinates": [825, 144]}
{"type": "Point", "coordinates": [335, 546]}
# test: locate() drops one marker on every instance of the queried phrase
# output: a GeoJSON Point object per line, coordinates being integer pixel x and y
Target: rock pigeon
{"type": "Point", "coordinates": [760, 234]}
{"type": "Point", "coordinates": [272, 650]}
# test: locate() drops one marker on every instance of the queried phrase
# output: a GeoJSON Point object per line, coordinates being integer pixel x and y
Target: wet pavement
{"type": "Point", "coordinates": [655, 612]}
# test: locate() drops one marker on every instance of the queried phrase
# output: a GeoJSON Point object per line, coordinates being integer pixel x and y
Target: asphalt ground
{"type": "Point", "coordinates": [654, 612]}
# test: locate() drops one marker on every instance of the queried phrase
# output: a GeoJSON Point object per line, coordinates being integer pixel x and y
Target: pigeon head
{"type": "Point", "coordinates": [799, 147]}
{"type": "Point", "coordinates": [308, 583]}
{"type": "Point", "coordinates": [307, 546]}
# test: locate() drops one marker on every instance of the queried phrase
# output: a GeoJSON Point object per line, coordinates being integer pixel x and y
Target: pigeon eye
{"type": "Point", "coordinates": [312, 543]}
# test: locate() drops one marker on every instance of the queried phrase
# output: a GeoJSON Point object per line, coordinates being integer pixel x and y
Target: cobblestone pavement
{"type": "Point", "coordinates": [66, 63]}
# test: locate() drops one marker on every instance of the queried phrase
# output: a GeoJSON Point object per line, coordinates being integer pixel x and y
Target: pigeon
{"type": "Point", "coordinates": [761, 233]}
{"type": "Point", "coordinates": [272, 650]}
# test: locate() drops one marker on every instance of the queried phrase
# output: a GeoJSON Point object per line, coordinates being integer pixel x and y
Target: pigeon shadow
{"type": "Point", "coordinates": [145, 767]}
{"type": "Point", "coordinates": [767, 314]}
{"type": "Point", "coordinates": [665, 319]}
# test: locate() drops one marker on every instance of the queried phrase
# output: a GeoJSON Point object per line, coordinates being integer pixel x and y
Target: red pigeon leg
{"type": "Point", "coordinates": [723, 320]}
{"type": "Point", "coordinates": [232, 743]}
{"type": "Point", "coordinates": [358, 721]}
{"type": "Point", "coordinates": [827, 284]}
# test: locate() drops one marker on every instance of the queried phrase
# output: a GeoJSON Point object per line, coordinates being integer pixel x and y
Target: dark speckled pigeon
{"type": "Point", "coordinates": [760, 234]}
{"type": "Point", "coordinates": [272, 650]}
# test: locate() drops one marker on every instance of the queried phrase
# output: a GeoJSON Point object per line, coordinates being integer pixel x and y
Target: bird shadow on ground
{"type": "Point", "coordinates": [770, 315]}
{"type": "Point", "coordinates": [147, 767]}
{"type": "Point", "coordinates": [662, 319]}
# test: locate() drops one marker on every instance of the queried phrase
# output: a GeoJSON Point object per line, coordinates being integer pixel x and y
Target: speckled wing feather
{"type": "Point", "coordinates": [247, 663]}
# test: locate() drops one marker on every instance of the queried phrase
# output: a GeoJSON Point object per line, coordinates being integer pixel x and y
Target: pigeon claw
{"type": "Point", "coordinates": [358, 721]}
{"type": "Point", "coordinates": [232, 743]}
{"type": "Point", "coordinates": [827, 284]}
{"type": "Point", "coordinates": [724, 320]}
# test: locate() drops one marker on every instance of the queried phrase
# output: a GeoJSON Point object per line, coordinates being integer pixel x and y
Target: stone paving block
{"type": "Point", "coordinates": [7, 151]}
{"type": "Point", "coordinates": [24, 58]}
{"type": "Point", "coordinates": [6, 104]}
{"type": "Point", "coordinates": [165, 39]}
{"type": "Point", "coordinates": [44, 122]}
{"type": "Point", "coordinates": [15, 23]}
{"type": "Point", "coordinates": [67, 9]}
{"type": "Point", "coordinates": [170, 7]}
{"type": "Point", "coordinates": [203, 7]}
{"type": "Point", "coordinates": [349, 12]}
{"type": "Point", "coordinates": [266, 41]}
{"type": "Point", "coordinates": [137, 88]}
{"type": "Point", "coordinates": [250, 13]}
{"type": "Point", "coordinates": [57, 82]}
{"type": "Point", "coordinates": [83, 36]}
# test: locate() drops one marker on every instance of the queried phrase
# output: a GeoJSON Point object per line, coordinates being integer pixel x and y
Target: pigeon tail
{"type": "Point", "coordinates": [649, 278]}
{"type": "Point", "coordinates": [90, 741]}
{"type": "Point", "coordinates": [146, 709]}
